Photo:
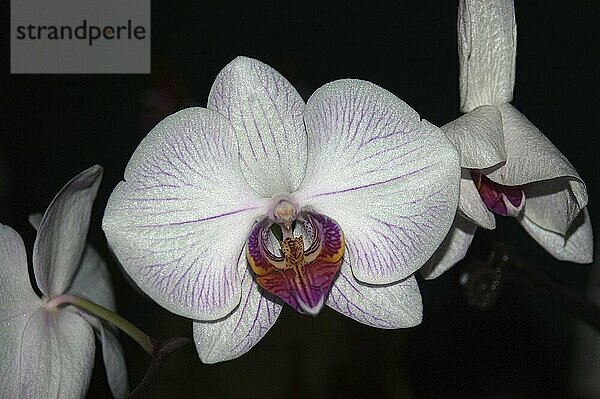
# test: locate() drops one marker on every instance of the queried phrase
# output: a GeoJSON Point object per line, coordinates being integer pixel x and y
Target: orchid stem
{"type": "Point", "coordinates": [159, 350]}
{"type": "Point", "coordinates": [145, 341]}
{"type": "Point", "coordinates": [162, 349]}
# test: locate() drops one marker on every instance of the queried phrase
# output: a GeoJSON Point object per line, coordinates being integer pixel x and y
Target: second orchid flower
{"type": "Point", "coordinates": [509, 167]}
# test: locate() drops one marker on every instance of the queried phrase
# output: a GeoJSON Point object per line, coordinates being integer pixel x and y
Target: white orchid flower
{"type": "Point", "coordinates": [227, 212]}
{"type": "Point", "coordinates": [508, 166]}
{"type": "Point", "coordinates": [47, 351]}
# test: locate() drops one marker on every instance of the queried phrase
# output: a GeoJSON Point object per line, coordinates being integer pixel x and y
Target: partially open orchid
{"type": "Point", "coordinates": [228, 212]}
{"type": "Point", "coordinates": [47, 351]}
{"type": "Point", "coordinates": [508, 166]}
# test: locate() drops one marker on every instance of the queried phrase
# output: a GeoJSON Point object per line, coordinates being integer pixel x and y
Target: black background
{"type": "Point", "coordinates": [54, 126]}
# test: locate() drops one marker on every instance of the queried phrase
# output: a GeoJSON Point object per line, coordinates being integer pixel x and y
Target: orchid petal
{"type": "Point", "coordinates": [478, 137]}
{"type": "Point", "coordinates": [234, 335]}
{"type": "Point", "coordinates": [92, 281]}
{"type": "Point", "coordinates": [551, 205]}
{"type": "Point", "coordinates": [62, 232]}
{"type": "Point", "coordinates": [266, 112]}
{"type": "Point", "coordinates": [179, 221]}
{"type": "Point", "coordinates": [387, 178]}
{"type": "Point", "coordinates": [114, 362]}
{"type": "Point", "coordinates": [18, 304]}
{"type": "Point", "coordinates": [487, 49]}
{"type": "Point", "coordinates": [471, 204]}
{"type": "Point", "coordinates": [396, 305]}
{"type": "Point", "coordinates": [16, 292]}
{"type": "Point", "coordinates": [57, 356]}
{"type": "Point", "coordinates": [11, 336]}
{"type": "Point", "coordinates": [578, 246]}
{"type": "Point", "coordinates": [531, 157]}
{"type": "Point", "coordinates": [112, 354]}
{"type": "Point", "coordinates": [35, 219]}
{"type": "Point", "coordinates": [452, 250]}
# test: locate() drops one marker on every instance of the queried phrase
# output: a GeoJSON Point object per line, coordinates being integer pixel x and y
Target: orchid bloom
{"type": "Point", "coordinates": [227, 213]}
{"type": "Point", "coordinates": [47, 351]}
{"type": "Point", "coordinates": [509, 167]}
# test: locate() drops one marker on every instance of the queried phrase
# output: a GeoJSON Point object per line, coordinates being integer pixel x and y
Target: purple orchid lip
{"type": "Point", "coordinates": [300, 276]}
{"type": "Point", "coordinates": [500, 199]}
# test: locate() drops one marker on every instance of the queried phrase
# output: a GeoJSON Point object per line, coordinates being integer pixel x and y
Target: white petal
{"type": "Point", "coordinates": [487, 49]}
{"type": "Point", "coordinates": [18, 303]}
{"type": "Point", "coordinates": [11, 340]}
{"type": "Point", "coordinates": [231, 337]}
{"type": "Point", "coordinates": [16, 292]}
{"type": "Point", "coordinates": [35, 219]}
{"type": "Point", "coordinates": [266, 112]}
{"type": "Point", "coordinates": [471, 204]}
{"type": "Point", "coordinates": [578, 246]}
{"type": "Point", "coordinates": [531, 157]}
{"type": "Point", "coordinates": [396, 305]}
{"type": "Point", "coordinates": [92, 281]}
{"type": "Point", "coordinates": [57, 356]}
{"type": "Point", "coordinates": [387, 178]}
{"type": "Point", "coordinates": [62, 232]}
{"type": "Point", "coordinates": [551, 205]}
{"type": "Point", "coordinates": [112, 353]}
{"type": "Point", "coordinates": [478, 137]}
{"type": "Point", "coordinates": [180, 219]}
{"type": "Point", "coordinates": [453, 248]}
{"type": "Point", "coordinates": [114, 360]}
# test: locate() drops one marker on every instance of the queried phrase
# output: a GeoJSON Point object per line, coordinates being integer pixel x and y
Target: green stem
{"type": "Point", "coordinates": [99, 311]}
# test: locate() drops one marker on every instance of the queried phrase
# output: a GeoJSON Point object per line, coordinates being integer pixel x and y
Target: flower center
{"type": "Point", "coordinates": [500, 199]}
{"type": "Point", "coordinates": [300, 266]}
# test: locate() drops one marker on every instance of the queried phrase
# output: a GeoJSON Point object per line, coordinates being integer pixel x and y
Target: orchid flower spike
{"type": "Point", "coordinates": [509, 167]}
{"type": "Point", "coordinates": [227, 213]}
{"type": "Point", "coordinates": [47, 351]}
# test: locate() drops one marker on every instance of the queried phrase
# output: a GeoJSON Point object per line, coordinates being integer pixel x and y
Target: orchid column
{"type": "Point", "coordinates": [509, 167]}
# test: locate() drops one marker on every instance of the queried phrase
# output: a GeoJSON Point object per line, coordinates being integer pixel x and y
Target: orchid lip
{"type": "Point", "coordinates": [498, 198]}
{"type": "Point", "coordinates": [304, 270]}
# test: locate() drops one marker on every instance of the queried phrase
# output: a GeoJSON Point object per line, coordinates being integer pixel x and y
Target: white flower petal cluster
{"type": "Point", "coordinates": [47, 351]}
{"type": "Point", "coordinates": [202, 178]}
{"type": "Point", "coordinates": [508, 166]}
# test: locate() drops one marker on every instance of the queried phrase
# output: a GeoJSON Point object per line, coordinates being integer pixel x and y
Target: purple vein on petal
{"type": "Point", "coordinates": [247, 341]}
{"type": "Point", "coordinates": [199, 220]}
{"type": "Point", "coordinates": [381, 152]}
{"type": "Point", "coordinates": [257, 129]}
{"type": "Point", "coordinates": [245, 127]}
{"type": "Point", "coordinates": [372, 184]}
{"type": "Point", "coordinates": [366, 314]}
